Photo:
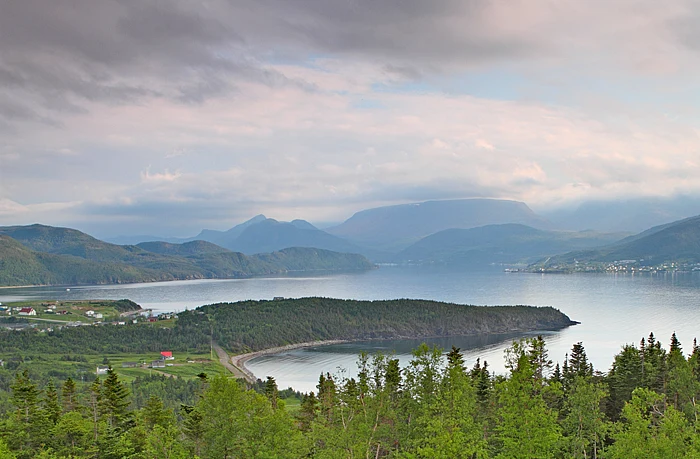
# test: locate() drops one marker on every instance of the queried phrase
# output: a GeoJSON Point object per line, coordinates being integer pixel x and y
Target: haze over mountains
{"type": "Point", "coordinates": [678, 241]}
{"type": "Point", "coordinates": [468, 232]}
{"type": "Point", "coordinates": [456, 232]}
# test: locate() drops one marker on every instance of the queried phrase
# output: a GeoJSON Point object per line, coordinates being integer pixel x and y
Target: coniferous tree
{"type": "Point", "coordinates": [115, 401]}
{"type": "Point", "coordinates": [68, 395]}
{"type": "Point", "coordinates": [271, 391]}
{"type": "Point", "coordinates": [52, 407]}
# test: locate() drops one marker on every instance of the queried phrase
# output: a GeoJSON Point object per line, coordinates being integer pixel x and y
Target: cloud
{"type": "Point", "coordinates": [214, 111]}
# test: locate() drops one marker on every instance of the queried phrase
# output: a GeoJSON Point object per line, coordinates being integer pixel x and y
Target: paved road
{"type": "Point", "coordinates": [226, 362]}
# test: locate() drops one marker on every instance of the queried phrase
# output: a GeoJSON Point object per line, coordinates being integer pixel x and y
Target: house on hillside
{"type": "Point", "coordinates": [27, 312]}
{"type": "Point", "coordinates": [158, 364]}
{"type": "Point", "coordinates": [90, 313]}
{"type": "Point", "coordinates": [167, 355]}
{"type": "Point", "coordinates": [101, 370]}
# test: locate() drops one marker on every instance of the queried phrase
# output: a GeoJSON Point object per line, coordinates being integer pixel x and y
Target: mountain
{"type": "Point", "coordinates": [225, 238]}
{"type": "Point", "coordinates": [213, 236]}
{"type": "Point", "coordinates": [397, 227]}
{"type": "Point", "coordinates": [271, 235]}
{"type": "Point", "coordinates": [139, 238]}
{"type": "Point", "coordinates": [500, 244]}
{"type": "Point", "coordinates": [677, 241]}
{"type": "Point", "coordinates": [21, 266]}
{"type": "Point", "coordinates": [182, 250]}
{"type": "Point", "coordinates": [49, 255]}
{"type": "Point", "coordinates": [632, 215]}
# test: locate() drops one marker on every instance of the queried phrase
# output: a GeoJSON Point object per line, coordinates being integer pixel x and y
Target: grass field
{"type": "Point", "coordinates": [57, 365]}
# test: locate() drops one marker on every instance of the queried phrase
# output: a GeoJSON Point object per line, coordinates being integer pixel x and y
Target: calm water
{"type": "Point", "coordinates": [612, 309]}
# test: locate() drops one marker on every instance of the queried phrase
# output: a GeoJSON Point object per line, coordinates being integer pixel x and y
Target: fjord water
{"type": "Point", "coordinates": [613, 309]}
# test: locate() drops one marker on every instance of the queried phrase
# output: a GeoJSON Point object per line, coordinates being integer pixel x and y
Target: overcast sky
{"type": "Point", "coordinates": [166, 117]}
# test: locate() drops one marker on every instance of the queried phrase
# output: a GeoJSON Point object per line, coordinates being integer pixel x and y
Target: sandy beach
{"type": "Point", "coordinates": [240, 359]}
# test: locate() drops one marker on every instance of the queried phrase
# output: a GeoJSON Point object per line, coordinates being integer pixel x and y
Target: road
{"type": "Point", "coordinates": [226, 362]}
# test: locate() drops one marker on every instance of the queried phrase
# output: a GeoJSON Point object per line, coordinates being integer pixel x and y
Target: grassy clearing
{"type": "Point", "coordinates": [62, 366]}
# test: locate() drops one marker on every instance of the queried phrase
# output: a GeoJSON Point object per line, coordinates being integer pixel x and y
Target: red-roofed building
{"type": "Point", "coordinates": [27, 312]}
{"type": "Point", "coordinates": [167, 355]}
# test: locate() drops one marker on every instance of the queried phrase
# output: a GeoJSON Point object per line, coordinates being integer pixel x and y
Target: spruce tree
{"type": "Point", "coordinates": [271, 391]}
{"type": "Point", "coordinates": [52, 407]}
{"type": "Point", "coordinates": [68, 395]}
{"type": "Point", "coordinates": [115, 401]}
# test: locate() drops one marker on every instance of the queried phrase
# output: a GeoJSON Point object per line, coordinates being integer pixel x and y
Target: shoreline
{"type": "Point", "coordinates": [240, 360]}
{"type": "Point", "coordinates": [278, 275]}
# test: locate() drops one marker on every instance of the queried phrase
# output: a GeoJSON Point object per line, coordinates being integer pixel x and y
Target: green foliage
{"type": "Point", "coordinates": [433, 408]}
{"type": "Point", "coordinates": [44, 255]}
{"type": "Point", "coordinates": [254, 325]}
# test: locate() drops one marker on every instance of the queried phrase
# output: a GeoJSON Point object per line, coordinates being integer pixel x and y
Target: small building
{"type": "Point", "coordinates": [27, 312]}
{"type": "Point", "coordinates": [158, 364]}
{"type": "Point", "coordinates": [90, 313]}
{"type": "Point", "coordinates": [152, 319]}
{"type": "Point", "coordinates": [278, 298]}
{"type": "Point", "coordinates": [97, 315]}
{"type": "Point", "coordinates": [101, 370]}
{"type": "Point", "coordinates": [167, 355]}
{"type": "Point", "coordinates": [121, 322]}
{"type": "Point", "coordinates": [63, 312]}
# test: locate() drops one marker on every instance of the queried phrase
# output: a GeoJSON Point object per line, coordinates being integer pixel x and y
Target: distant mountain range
{"type": "Point", "coordinates": [499, 244]}
{"type": "Point", "coordinates": [394, 228]}
{"type": "Point", "coordinates": [45, 255]}
{"type": "Point", "coordinates": [377, 233]}
{"type": "Point", "coordinates": [468, 232]}
{"type": "Point", "coordinates": [630, 215]}
{"type": "Point", "coordinates": [677, 241]}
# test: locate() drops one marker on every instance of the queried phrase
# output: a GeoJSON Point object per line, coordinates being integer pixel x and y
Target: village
{"type": "Point", "coordinates": [50, 315]}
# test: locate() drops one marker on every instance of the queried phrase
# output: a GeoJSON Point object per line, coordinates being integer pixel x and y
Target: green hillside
{"type": "Point", "coordinates": [45, 255]}
{"type": "Point", "coordinates": [507, 243]}
{"type": "Point", "coordinates": [674, 242]}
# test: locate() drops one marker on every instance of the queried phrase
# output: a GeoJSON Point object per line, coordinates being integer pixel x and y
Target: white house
{"type": "Point", "coordinates": [27, 312]}
{"type": "Point", "coordinates": [90, 313]}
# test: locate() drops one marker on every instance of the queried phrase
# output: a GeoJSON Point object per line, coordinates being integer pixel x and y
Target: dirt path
{"type": "Point", "coordinates": [236, 371]}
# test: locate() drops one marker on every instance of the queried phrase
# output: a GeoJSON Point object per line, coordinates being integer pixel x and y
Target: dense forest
{"type": "Point", "coordinates": [255, 325]}
{"type": "Point", "coordinates": [436, 407]}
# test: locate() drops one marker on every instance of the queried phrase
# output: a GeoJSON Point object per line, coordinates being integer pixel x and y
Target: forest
{"type": "Point", "coordinates": [255, 325]}
{"type": "Point", "coordinates": [436, 407]}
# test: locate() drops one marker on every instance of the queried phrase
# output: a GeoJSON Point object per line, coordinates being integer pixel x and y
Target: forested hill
{"type": "Point", "coordinates": [44, 255]}
{"type": "Point", "coordinates": [256, 325]}
{"type": "Point", "coordinates": [677, 241]}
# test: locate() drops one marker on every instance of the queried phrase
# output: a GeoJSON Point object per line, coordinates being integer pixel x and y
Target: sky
{"type": "Point", "coordinates": [166, 117]}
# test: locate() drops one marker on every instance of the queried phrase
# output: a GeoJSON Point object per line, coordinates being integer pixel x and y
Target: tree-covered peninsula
{"type": "Point", "coordinates": [256, 325]}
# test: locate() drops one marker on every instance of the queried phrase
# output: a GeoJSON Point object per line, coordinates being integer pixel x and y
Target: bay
{"type": "Point", "coordinates": [613, 309]}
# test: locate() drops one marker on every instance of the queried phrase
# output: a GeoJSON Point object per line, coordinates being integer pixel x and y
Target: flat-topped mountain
{"type": "Point", "coordinates": [397, 227]}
